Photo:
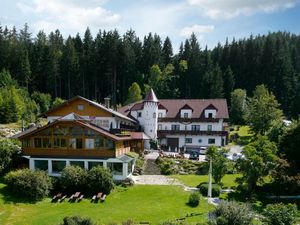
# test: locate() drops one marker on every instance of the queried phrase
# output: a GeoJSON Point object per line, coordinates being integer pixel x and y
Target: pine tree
{"type": "Point", "coordinates": [167, 51]}
{"type": "Point", "coordinates": [228, 78]}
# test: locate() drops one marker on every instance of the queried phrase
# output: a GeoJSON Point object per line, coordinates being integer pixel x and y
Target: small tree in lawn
{"type": "Point", "coordinates": [73, 178]}
{"type": "Point", "coordinates": [260, 159]}
{"type": "Point", "coordinates": [26, 183]}
{"type": "Point", "coordinates": [219, 162]}
{"type": "Point", "coordinates": [100, 180]}
{"type": "Point", "coordinates": [278, 214]}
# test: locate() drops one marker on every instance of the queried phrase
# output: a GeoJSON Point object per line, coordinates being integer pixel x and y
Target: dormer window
{"type": "Point", "coordinates": [210, 111]}
{"type": "Point", "coordinates": [139, 114]}
{"type": "Point", "coordinates": [160, 115]}
{"type": "Point", "coordinates": [185, 115]}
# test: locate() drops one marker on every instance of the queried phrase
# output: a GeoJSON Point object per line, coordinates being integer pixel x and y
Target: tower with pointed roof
{"type": "Point", "coordinates": [149, 116]}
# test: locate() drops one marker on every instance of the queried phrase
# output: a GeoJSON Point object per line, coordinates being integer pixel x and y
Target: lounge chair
{"type": "Point", "coordinates": [80, 198]}
{"type": "Point", "coordinates": [103, 197]}
{"type": "Point", "coordinates": [71, 198]}
{"type": "Point", "coordinates": [99, 195]}
{"type": "Point", "coordinates": [63, 198]}
{"type": "Point", "coordinates": [56, 197]}
{"type": "Point", "coordinates": [76, 195]}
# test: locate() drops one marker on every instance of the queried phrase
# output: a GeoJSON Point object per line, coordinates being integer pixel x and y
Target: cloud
{"type": "Point", "coordinates": [156, 17]}
{"type": "Point", "coordinates": [69, 15]}
{"type": "Point", "coordinates": [198, 30]}
{"type": "Point", "coordinates": [220, 9]}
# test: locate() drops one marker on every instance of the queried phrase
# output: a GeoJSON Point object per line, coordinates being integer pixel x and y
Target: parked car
{"type": "Point", "coordinates": [194, 155]}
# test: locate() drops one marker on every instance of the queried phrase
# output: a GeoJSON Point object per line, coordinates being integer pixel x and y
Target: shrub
{"type": "Point", "coordinates": [100, 179]}
{"type": "Point", "coordinates": [9, 151]}
{"type": "Point", "coordinates": [228, 213]}
{"type": "Point", "coordinates": [215, 191]}
{"type": "Point", "coordinates": [73, 178]}
{"type": "Point", "coordinates": [277, 214]}
{"type": "Point", "coordinates": [194, 199]}
{"type": "Point", "coordinates": [33, 184]}
{"type": "Point", "coordinates": [167, 168]}
{"type": "Point", "coordinates": [77, 220]}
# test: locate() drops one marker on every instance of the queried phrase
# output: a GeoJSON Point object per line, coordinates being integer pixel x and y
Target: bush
{"type": "Point", "coordinates": [167, 168]}
{"type": "Point", "coordinates": [277, 214]}
{"type": "Point", "coordinates": [77, 220]}
{"type": "Point", "coordinates": [228, 213]}
{"type": "Point", "coordinates": [9, 151]}
{"type": "Point", "coordinates": [33, 184]}
{"type": "Point", "coordinates": [215, 191]}
{"type": "Point", "coordinates": [194, 199]}
{"type": "Point", "coordinates": [73, 178]}
{"type": "Point", "coordinates": [100, 180]}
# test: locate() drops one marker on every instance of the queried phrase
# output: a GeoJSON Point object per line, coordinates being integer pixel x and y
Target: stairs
{"type": "Point", "coordinates": [151, 168]}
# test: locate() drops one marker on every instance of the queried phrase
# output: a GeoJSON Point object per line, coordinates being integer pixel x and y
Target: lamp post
{"type": "Point", "coordinates": [209, 180]}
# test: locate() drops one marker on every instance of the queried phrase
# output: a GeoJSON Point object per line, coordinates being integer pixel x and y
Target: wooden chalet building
{"type": "Point", "coordinates": [83, 133]}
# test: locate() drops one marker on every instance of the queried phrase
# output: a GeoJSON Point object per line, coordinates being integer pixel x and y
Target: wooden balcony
{"type": "Point", "coordinates": [85, 153]}
{"type": "Point", "coordinates": [163, 133]}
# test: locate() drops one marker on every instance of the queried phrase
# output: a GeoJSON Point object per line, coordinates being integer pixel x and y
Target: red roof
{"type": "Point", "coordinates": [198, 106]}
{"type": "Point", "coordinates": [173, 107]}
{"type": "Point", "coordinates": [139, 136]}
{"type": "Point", "coordinates": [151, 97]}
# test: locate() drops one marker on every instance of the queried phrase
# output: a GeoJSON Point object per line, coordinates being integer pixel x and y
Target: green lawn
{"type": "Point", "coordinates": [193, 180]}
{"type": "Point", "coordinates": [154, 204]}
{"type": "Point", "coordinates": [244, 133]}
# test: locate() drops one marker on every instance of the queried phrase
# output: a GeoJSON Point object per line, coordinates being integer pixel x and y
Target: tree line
{"type": "Point", "coordinates": [109, 63]}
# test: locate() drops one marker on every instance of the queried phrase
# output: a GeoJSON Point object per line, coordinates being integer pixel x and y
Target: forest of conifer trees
{"type": "Point", "coordinates": [108, 64]}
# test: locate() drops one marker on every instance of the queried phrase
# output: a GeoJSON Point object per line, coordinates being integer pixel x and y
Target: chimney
{"type": "Point", "coordinates": [107, 102]}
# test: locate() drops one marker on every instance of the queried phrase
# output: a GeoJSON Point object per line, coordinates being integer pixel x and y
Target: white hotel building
{"type": "Point", "coordinates": [181, 124]}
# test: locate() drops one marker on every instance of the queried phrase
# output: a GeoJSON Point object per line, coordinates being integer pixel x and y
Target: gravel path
{"type": "Point", "coordinates": [155, 180]}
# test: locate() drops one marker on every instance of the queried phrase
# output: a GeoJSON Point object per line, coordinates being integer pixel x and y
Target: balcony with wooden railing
{"type": "Point", "coordinates": [163, 133]}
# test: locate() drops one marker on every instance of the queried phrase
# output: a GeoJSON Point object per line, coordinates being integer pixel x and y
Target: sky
{"type": "Point", "coordinates": [211, 20]}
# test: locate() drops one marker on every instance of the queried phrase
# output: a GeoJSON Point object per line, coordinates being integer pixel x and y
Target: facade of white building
{"type": "Point", "coordinates": [181, 124]}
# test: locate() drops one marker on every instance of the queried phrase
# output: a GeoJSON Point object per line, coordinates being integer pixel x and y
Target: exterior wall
{"type": "Point", "coordinates": [72, 107]}
{"type": "Point", "coordinates": [149, 120]}
{"type": "Point", "coordinates": [203, 126]}
{"type": "Point", "coordinates": [125, 165]}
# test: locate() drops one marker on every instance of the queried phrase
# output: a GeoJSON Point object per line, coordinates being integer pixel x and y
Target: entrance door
{"type": "Point", "coordinates": [173, 144]}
